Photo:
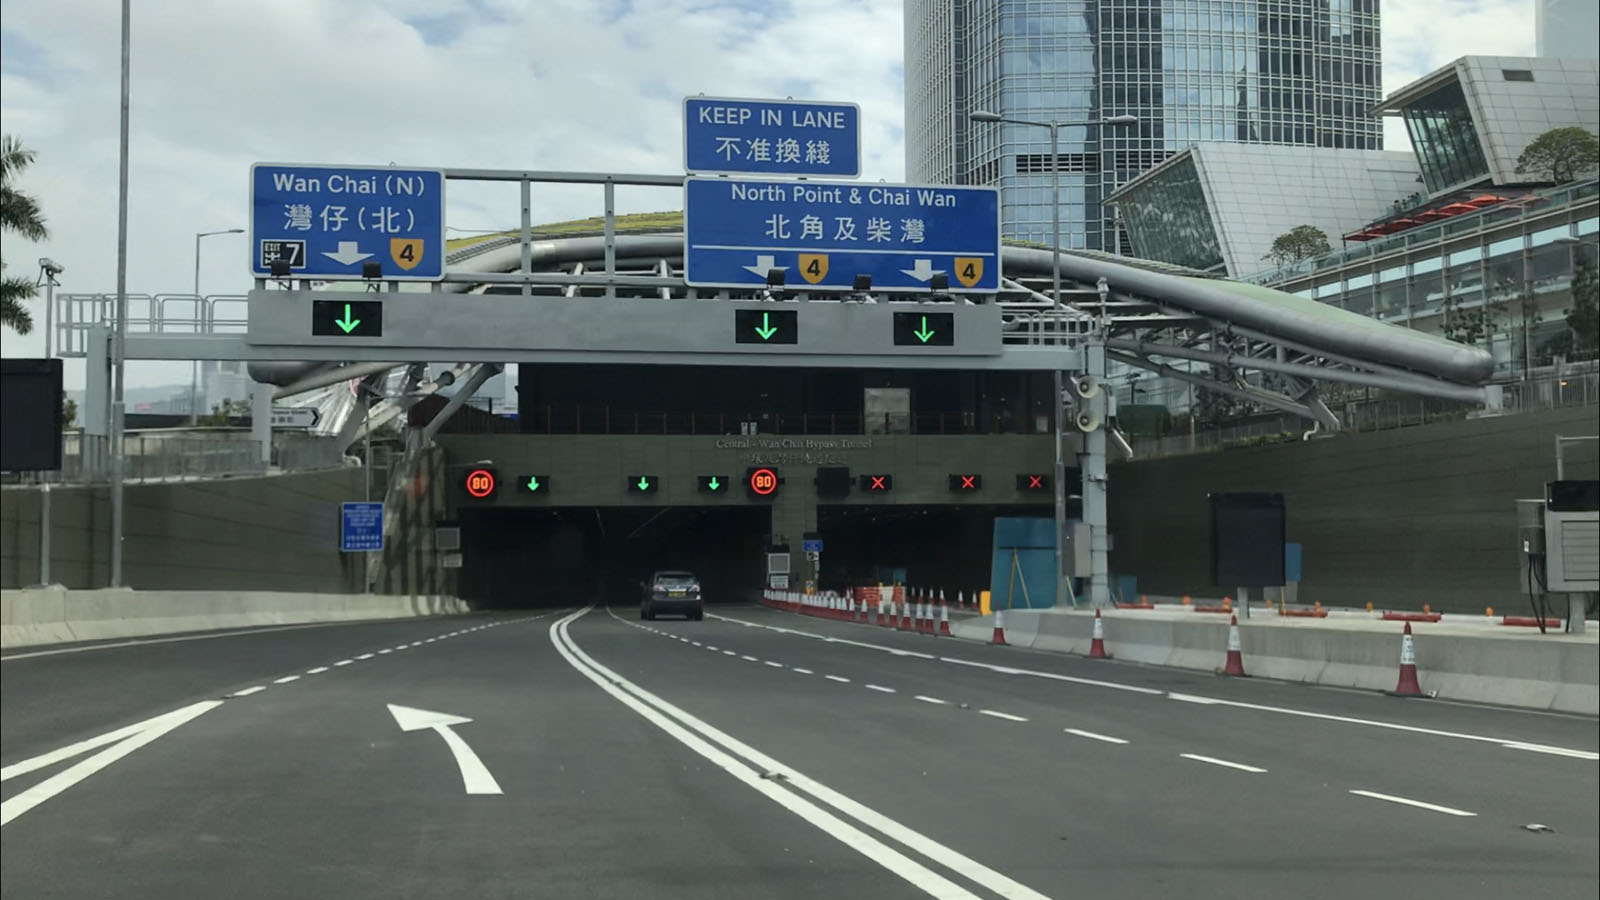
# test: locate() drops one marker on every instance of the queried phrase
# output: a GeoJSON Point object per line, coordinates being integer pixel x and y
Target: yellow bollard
{"type": "Point", "coordinates": [983, 603]}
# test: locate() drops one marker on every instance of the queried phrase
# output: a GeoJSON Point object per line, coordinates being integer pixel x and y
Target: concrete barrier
{"type": "Point", "coordinates": [1459, 662]}
{"type": "Point", "coordinates": [37, 616]}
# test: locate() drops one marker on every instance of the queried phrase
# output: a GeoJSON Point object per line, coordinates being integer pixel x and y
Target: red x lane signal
{"type": "Point", "coordinates": [1032, 483]}
{"type": "Point", "coordinates": [877, 484]}
{"type": "Point", "coordinates": [965, 482]}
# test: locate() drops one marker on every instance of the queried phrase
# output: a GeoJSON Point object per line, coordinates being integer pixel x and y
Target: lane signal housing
{"type": "Point", "coordinates": [1031, 482]}
{"type": "Point", "coordinates": [877, 484]}
{"type": "Point", "coordinates": [480, 484]}
{"type": "Point", "coordinates": [761, 481]}
{"type": "Point", "coordinates": [966, 482]}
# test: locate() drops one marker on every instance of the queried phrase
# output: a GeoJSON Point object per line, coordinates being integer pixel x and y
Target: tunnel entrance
{"type": "Point", "coordinates": [940, 547]}
{"type": "Point", "coordinates": [561, 556]}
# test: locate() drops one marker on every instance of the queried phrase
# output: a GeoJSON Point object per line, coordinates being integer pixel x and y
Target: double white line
{"type": "Point", "coordinates": [794, 791]}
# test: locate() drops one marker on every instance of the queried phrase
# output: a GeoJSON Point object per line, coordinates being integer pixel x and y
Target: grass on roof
{"type": "Point", "coordinates": [627, 224]}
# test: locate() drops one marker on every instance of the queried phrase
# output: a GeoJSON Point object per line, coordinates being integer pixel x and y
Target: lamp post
{"type": "Point", "coordinates": [1055, 288]}
{"type": "Point", "coordinates": [194, 364]}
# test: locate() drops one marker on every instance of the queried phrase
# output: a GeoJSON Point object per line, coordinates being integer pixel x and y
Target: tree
{"type": "Point", "coordinates": [1297, 245]}
{"type": "Point", "coordinates": [69, 410]}
{"type": "Point", "coordinates": [20, 213]}
{"type": "Point", "coordinates": [226, 411]}
{"type": "Point", "coordinates": [1584, 319]}
{"type": "Point", "coordinates": [1560, 154]}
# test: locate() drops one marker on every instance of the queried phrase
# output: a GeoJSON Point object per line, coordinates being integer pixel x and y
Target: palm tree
{"type": "Point", "coordinates": [19, 212]}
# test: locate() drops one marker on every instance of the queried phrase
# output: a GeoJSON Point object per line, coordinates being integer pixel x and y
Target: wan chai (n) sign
{"type": "Point", "coordinates": [823, 234]}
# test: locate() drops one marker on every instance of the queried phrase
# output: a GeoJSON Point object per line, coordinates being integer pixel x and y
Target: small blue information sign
{"type": "Point", "coordinates": [825, 234]}
{"type": "Point", "coordinates": [771, 137]}
{"type": "Point", "coordinates": [811, 546]}
{"type": "Point", "coordinates": [360, 527]}
{"type": "Point", "coordinates": [327, 222]}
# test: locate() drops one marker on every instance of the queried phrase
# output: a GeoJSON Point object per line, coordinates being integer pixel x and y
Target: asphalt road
{"type": "Point", "coordinates": [755, 754]}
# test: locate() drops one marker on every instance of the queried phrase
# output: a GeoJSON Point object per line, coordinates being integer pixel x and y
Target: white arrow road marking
{"type": "Point", "coordinates": [922, 269]}
{"type": "Point", "coordinates": [764, 264]}
{"type": "Point", "coordinates": [347, 253]}
{"type": "Point", "coordinates": [127, 740]}
{"type": "Point", "coordinates": [475, 776]}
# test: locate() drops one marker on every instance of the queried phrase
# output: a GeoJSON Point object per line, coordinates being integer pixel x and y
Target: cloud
{"type": "Point", "coordinates": [561, 84]}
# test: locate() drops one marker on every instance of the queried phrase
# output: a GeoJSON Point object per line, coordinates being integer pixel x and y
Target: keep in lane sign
{"type": "Point", "coordinates": [327, 221]}
{"type": "Point", "coordinates": [771, 137]}
{"type": "Point", "coordinates": [822, 235]}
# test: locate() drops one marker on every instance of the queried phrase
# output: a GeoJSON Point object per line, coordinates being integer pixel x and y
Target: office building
{"type": "Point", "coordinates": [1299, 72]}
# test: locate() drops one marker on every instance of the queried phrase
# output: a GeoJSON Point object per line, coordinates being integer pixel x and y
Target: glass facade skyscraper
{"type": "Point", "coordinates": [1262, 71]}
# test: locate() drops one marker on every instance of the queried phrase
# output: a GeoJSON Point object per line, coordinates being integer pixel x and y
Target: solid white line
{"type": "Point", "coordinates": [286, 679]}
{"type": "Point", "coordinates": [932, 700]}
{"type": "Point", "coordinates": [69, 751]}
{"type": "Point", "coordinates": [839, 678]}
{"type": "Point", "coordinates": [879, 687]}
{"type": "Point", "coordinates": [1221, 762]}
{"type": "Point", "coordinates": [317, 671]}
{"type": "Point", "coordinates": [248, 691]}
{"type": "Point", "coordinates": [344, 662]}
{"type": "Point", "coordinates": [803, 671]}
{"type": "Point", "coordinates": [1417, 803]}
{"type": "Point", "coordinates": [775, 665]}
{"type": "Point", "coordinates": [1094, 737]}
{"type": "Point", "coordinates": [147, 731]}
{"type": "Point", "coordinates": [657, 711]}
{"type": "Point", "coordinates": [173, 640]}
{"type": "Point", "coordinates": [1553, 751]}
{"type": "Point", "coordinates": [1000, 715]}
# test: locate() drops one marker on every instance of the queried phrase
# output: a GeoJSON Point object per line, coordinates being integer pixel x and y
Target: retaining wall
{"type": "Point", "coordinates": [51, 615]}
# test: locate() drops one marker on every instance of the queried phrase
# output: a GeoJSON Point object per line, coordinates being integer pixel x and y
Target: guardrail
{"type": "Point", "coordinates": [177, 455]}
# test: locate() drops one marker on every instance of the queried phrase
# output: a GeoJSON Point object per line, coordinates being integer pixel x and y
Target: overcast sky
{"type": "Point", "coordinates": [536, 84]}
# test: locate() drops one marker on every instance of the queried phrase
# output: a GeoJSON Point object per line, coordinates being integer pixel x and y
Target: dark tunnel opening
{"type": "Point", "coordinates": [565, 556]}
{"type": "Point", "coordinates": [944, 547]}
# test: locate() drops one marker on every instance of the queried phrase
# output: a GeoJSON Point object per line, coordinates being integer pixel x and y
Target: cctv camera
{"type": "Point", "coordinates": [51, 266]}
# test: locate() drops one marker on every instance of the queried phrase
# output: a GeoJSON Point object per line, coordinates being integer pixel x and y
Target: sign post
{"type": "Point", "coordinates": [827, 235]}
{"type": "Point", "coordinates": [329, 222]}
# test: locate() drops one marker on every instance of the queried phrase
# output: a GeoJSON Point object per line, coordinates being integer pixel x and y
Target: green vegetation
{"type": "Point", "coordinates": [635, 223]}
{"type": "Point", "coordinates": [1560, 154]}
{"type": "Point", "coordinates": [20, 213]}
{"type": "Point", "coordinates": [1297, 245]}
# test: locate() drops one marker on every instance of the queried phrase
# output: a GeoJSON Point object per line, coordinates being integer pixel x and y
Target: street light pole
{"type": "Point", "coordinates": [119, 343]}
{"type": "Point", "coordinates": [1098, 588]}
{"type": "Point", "coordinates": [199, 306]}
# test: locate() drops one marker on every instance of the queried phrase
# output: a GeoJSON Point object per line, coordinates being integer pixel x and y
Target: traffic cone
{"type": "Point", "coordinates": [906, 611]}
{"type": "Point", "coordinates": [1097, 647]}
{"type": "Point", "coordinates": [961, 599]}
{"type": "Point", "coordinates": [925, 617]}
{"type": "Point", "coordinates": [999, 629]}
{"type": "Point", "coordinates": [1235, 664]}
{"type": "Point", "coordinates": [944, 619]}
{"type": "Point", "coordinates": [1407, 685]}
{"type": "Point", "coordinates": [881, 617]}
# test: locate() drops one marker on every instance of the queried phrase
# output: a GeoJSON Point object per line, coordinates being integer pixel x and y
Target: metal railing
{"type": "Point", "coordinates": [179, 455]}
{"type": "Point", "coordinates": [147, 314]}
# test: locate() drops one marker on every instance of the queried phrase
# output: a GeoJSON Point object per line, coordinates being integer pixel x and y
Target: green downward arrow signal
{"type": "Point", "coordinates": [644, 483]}
{"type": "Point", "coordinates": [766, 331]}
{"type": "Point", "coordinates": [714, 484]}
{"type": "Point", "coordinates": [533, 482]}
{"type": "Point", "coordinates": [925, 333]}
{"type": "Point", "coordinates": [347, 323]}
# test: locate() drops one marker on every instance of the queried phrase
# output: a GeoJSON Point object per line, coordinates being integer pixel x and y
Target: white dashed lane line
{"type": "Point", "coordinates": [317, 671]}
{"type": "Point", "coordinates": [1417, 803]}
{"type": "Point", "coordinates": [1094, 737]}
{"type": "Point", "coordinates": [934, 700]}
{"type": "Point", "coordinates": [344, 662]}
{"type": "Point", "coordinates": [880, 688]}
{"type": "Point", "coordinates": [248, 691]}
{"type": "Point", "coordinates": [366, 656]}
{"type": "Point", "coordinates": [839, 678]}
{"type": "Point", "coordinates": [286, 679]}
{"type": "Point", "coordinates": [775, 665]}
{"type": "Point", "coordinates": [802, 671]}
{"type": "Point", "coordinates": [748, 658]}
{"type": "Point", "coordinates": [1222, 762]}
{"type": "Point", "coordinates": [1001, 715]}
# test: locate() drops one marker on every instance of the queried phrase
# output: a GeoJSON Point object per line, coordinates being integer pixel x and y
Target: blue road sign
{"type": "Point", "coordinates": [360, 527]}
{"type": "Point", "coordinates": [811, 546]}
{"type": "Point", "coordinates": [771, 137]}
{"type": "Point", "coordinates": [329, 220]}
{"type": "Point", "coordinates": [822, 234]}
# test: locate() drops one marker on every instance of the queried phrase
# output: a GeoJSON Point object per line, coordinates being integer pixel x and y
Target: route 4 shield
{"type": "Point", "coordinates": [969, 269]}
{"type": "Point", "coordinates": [813, 267]}
{"type": "Point", "coordinates": [406, 252]}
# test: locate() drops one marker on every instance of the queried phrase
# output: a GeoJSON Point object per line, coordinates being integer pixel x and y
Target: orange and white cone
{"type": "Point", "coordinates": [944, 619]}
{"type": "Point", "coordinates": [999, 628]}
{"type": "Point", "coordinates": [925, 617]}
{"type": "Point", "coordinates": [1235, 664]}
{"type": "Point", "coordinates": [1407, 686]}
{"type": "Point", "coordinates": [907, 611]}
{"type": "Point", "coordinates": [1097, 646]}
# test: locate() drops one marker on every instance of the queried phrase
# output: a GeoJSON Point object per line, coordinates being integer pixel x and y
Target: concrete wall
{"type": "Point", "coordinates": [271, 533]}
{"type": "Point", "coordinates": [1398, 518]}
